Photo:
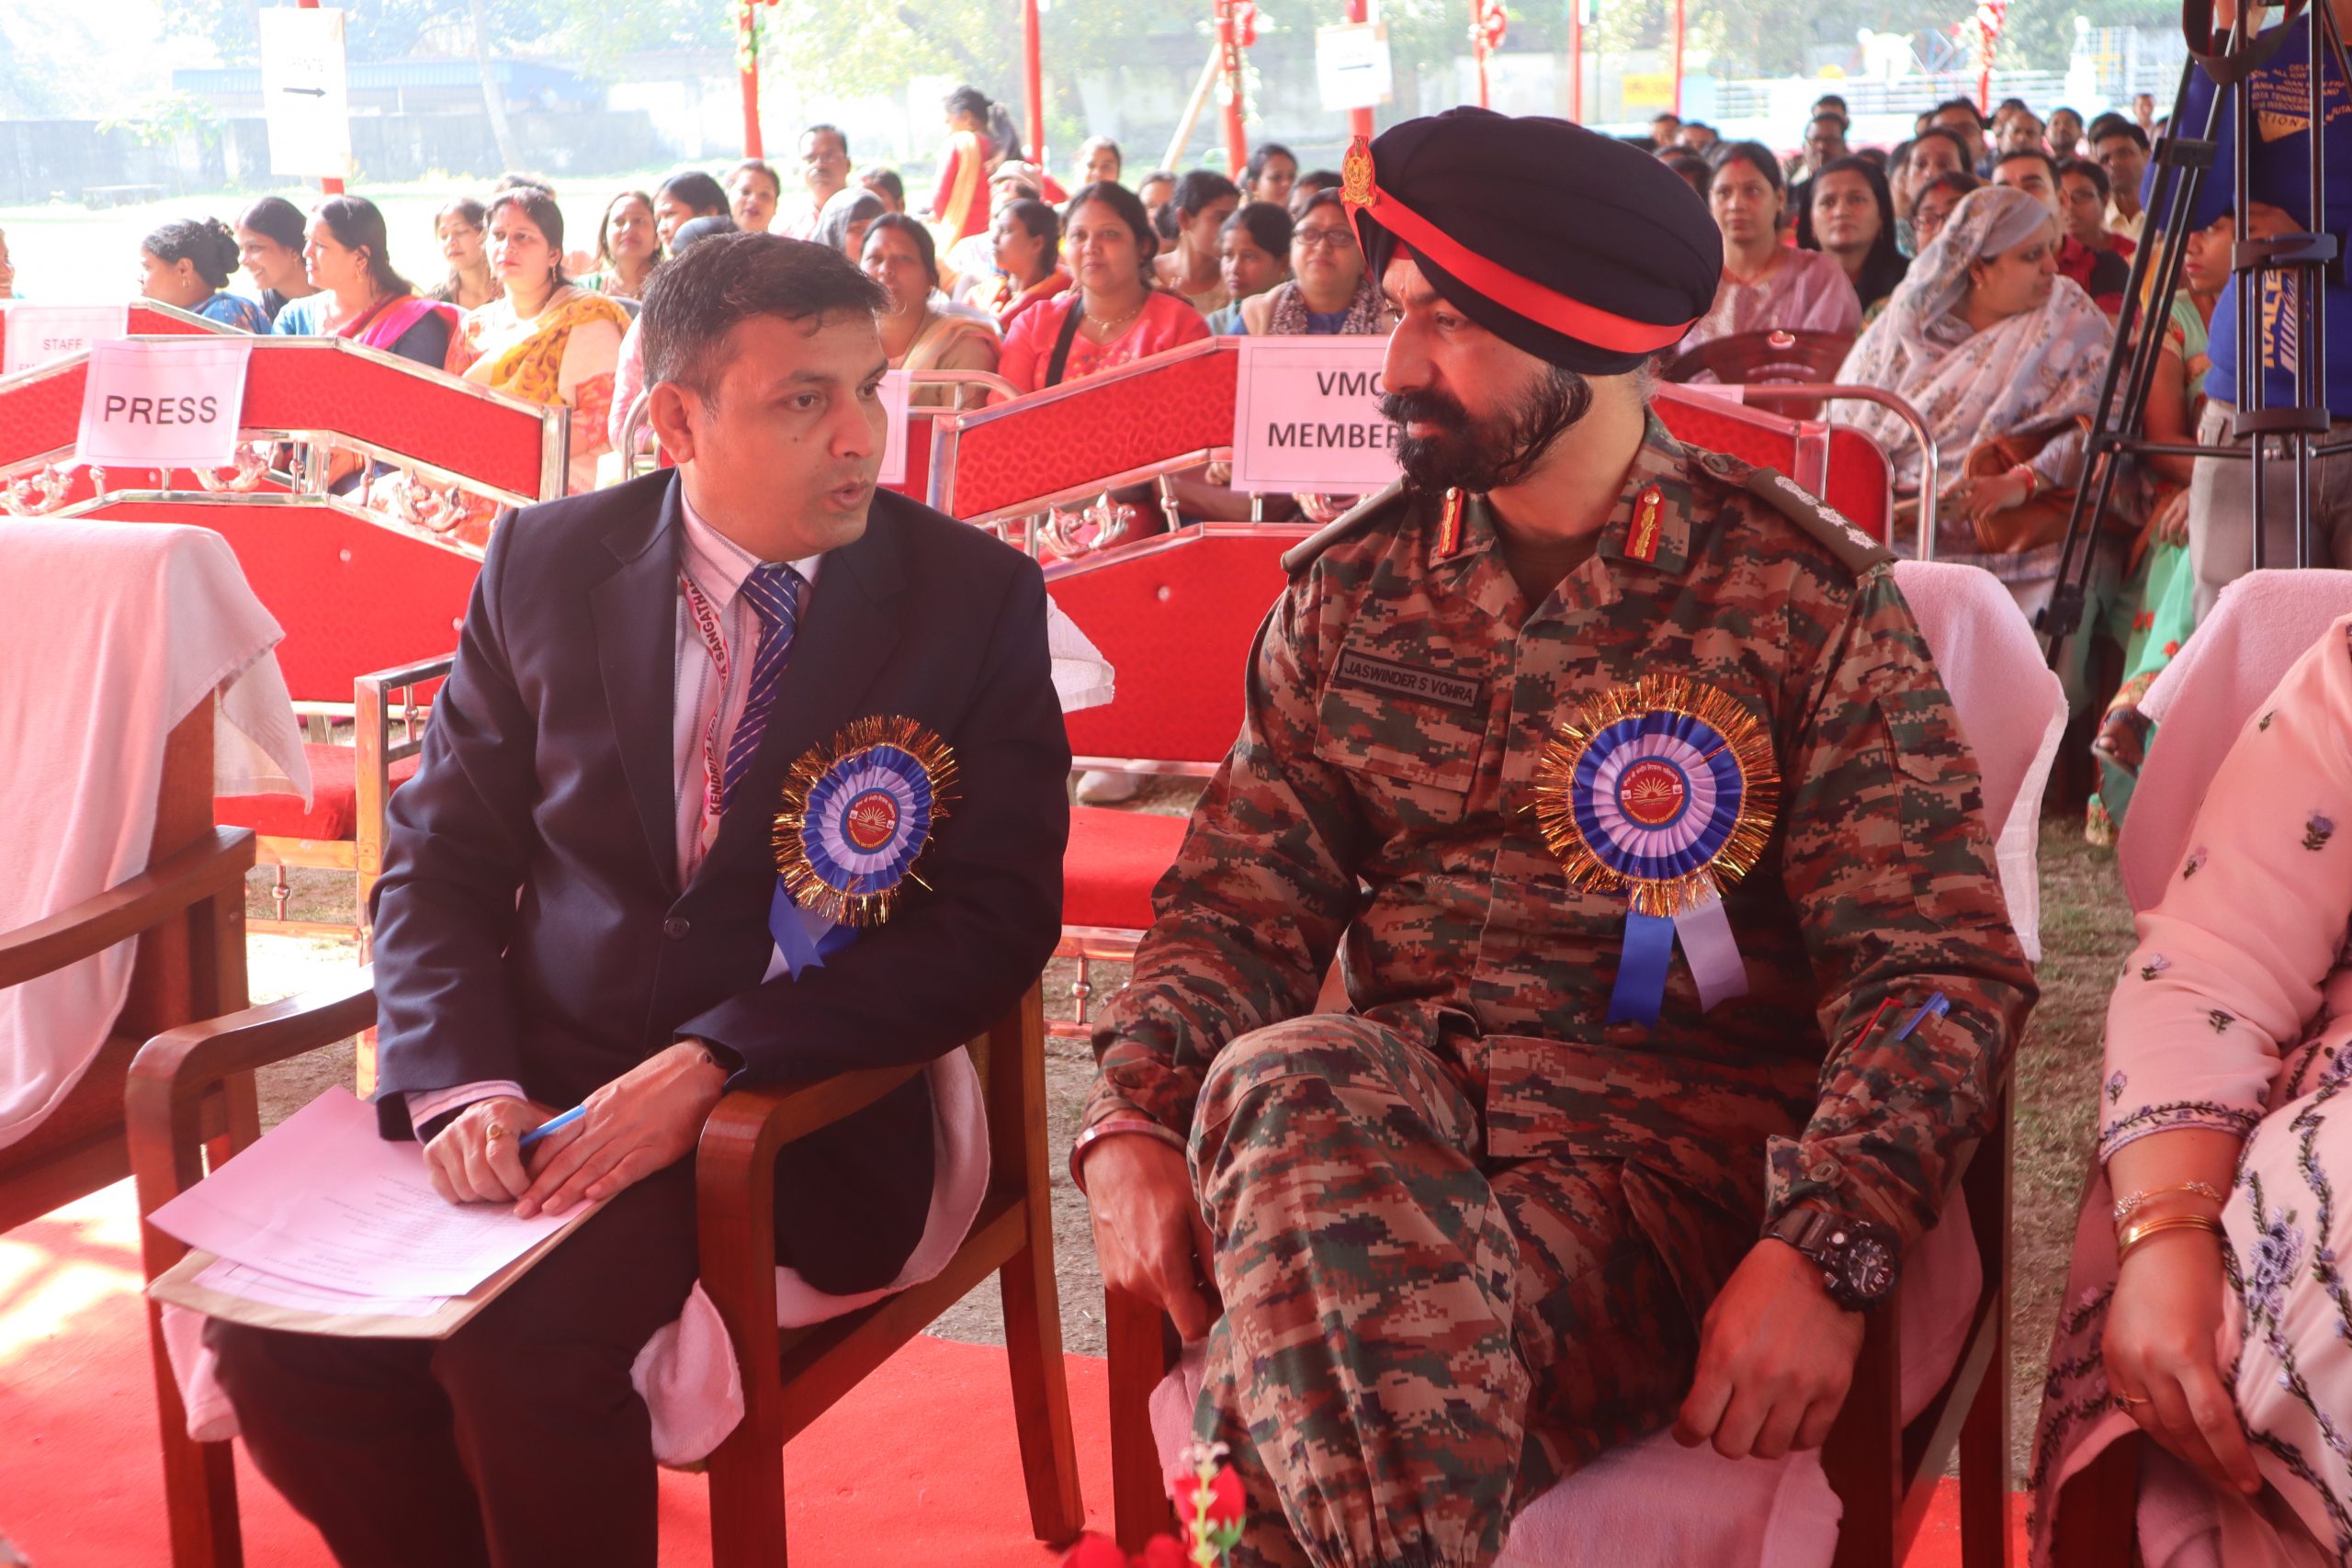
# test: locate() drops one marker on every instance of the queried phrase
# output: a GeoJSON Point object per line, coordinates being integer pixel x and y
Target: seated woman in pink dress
{"type": "Point", "coordinates": [1114, 315]}
{"type": "Point", "coordinates": [1767, 286]}
{"type": "Point", "coordinates": [2225, 1334]}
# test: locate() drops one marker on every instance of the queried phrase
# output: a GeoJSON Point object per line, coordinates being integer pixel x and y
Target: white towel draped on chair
{"type": "Point", "coordinates": [110, 634]}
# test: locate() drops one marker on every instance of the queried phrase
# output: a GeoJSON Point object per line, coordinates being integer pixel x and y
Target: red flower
{"type": "Point", "coordinates": [1161, 1551]}
{"type": "Point", "coordinates": [1096, 1551]}
{"type": "Point", "coordinates": [1228, 1506]}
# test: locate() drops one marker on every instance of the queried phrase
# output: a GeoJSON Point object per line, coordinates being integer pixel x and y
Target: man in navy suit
{"type": "Point", "coordinates": [581, 906]}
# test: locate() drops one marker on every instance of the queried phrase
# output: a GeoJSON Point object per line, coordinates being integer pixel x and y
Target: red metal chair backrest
{"type": "Point", "coordinates": [1176, 618]}
{"type": "Point", "coordinates": [353, 597]}
{"type": "Point", "coordinates": [1084, 436]}
{"type": "Point", "coordinates": [1839, 463]}
{"type": "Point", "coordinates": [295, 384]}
{"type": "Point", "coordinates": [916, 486]}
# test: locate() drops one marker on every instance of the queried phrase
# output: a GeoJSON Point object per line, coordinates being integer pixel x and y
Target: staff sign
{"type": "Point", "coordinates": [1306, 417]}
{"type": "Point", "coordinates": [173, 404]}
{"type": "Point", "coordinates": [38, 334]}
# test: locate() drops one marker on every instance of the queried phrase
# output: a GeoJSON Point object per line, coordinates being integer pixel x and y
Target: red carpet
{"type": "Point", "coordinates": [882, 1478]}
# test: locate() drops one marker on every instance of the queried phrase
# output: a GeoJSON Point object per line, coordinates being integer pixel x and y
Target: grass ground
{"type": "Point", "coordinates": [2086, 931]}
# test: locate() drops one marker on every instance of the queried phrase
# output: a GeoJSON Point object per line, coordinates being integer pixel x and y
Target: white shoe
{"type": "Point", "coordinates": [1097, 786]}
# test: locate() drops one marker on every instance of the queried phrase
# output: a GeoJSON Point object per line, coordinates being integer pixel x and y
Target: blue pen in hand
{"type": "Point", "coordinates": [1937, 1003]}
{"type": "Point", "coordinates": [553, 1125]}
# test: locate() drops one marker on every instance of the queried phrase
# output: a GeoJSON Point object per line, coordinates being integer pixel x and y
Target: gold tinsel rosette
{"type": "Point", "coordinates": [1664, 789]}
{"type": "Point", "coordinates": [856, 813]}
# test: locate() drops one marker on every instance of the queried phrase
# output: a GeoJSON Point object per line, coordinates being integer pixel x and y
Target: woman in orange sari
{"type": "Point", "coordinates": [961, 208]}
{"type": "Point", "coordinates": [546, 340]}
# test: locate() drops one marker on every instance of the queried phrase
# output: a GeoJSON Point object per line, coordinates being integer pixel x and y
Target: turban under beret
{"type": "Point", "coordinates": [1572, 245]}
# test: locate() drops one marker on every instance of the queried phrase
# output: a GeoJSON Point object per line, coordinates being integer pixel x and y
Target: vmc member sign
{"type": "Point", "coordinates": [1306, 417]}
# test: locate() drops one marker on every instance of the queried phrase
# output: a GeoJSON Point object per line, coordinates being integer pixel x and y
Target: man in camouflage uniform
{"type": "Point", "coordinates": [1470, 1232]}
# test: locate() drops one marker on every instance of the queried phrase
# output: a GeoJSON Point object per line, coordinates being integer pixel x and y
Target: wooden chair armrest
{"type": "Point", "coordinates": [174, 1070]}
{"type": "Point", "coordinates": [381, 681]}
{"type": "Point", "coordinates": [209, 866]}
{"type": "Point", "coordinates": [735, 1163]}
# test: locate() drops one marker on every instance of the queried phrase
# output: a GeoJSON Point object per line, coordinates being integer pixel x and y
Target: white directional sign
{"type": "Point", "coordinates": [1306, 417]}
{"type": "Point", "coordinates": [303, 93]}
{"type": "Point", "coordinates": [1351, 65]}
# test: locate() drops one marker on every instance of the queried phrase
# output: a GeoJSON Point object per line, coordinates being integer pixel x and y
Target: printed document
{"type": "Point", "coordinates": [325, 1202]}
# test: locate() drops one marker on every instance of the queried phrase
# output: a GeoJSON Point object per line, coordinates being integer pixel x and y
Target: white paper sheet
{"type": "Point", "coordinates": [231, 1278]}
{"type": "Point", "coordinates": [323, 1200]}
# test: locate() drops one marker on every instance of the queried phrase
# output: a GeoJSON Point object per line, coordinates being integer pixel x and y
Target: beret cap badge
{"type": "Point", "coordinates": [1355, 176]}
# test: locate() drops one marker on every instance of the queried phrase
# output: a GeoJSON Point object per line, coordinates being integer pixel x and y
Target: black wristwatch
{"type": "Point", "coordinates": [1856, 1259]}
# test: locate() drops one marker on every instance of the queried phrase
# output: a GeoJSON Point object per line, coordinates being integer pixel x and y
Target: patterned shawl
{"type": "Point", "coordinates": [2036, 371]}
{"type": "Point", "coordinates": [1287, 316]}
{"type": "Point", "coordinates": [523, 358]}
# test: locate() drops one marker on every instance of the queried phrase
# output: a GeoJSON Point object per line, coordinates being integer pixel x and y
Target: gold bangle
{"type": "Point", "coordinates": [2131, 1201]}
{"type": "Point", "coordinates": [2133, 1236]}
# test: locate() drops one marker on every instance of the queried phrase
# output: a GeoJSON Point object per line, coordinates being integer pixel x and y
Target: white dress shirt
{"type": "Point", "coordinates": [717, 565]}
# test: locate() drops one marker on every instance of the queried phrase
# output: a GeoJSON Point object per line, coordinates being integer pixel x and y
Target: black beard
{"type": "Point", "coordinates": [1479, 455]}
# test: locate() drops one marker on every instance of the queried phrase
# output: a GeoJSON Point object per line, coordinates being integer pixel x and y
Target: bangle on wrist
{"type": "Point", "coordinates": [1111, 1126]}
{"type": "Point", "coordinates": [2133, 1236]}
{"type": "Point", "coordinates": [2125, 1205]}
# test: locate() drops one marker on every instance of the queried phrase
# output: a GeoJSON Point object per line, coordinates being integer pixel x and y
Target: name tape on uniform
{"type": "Point", "coordinates": [173, 404]}
{"type": "Point", "coordinates": [894, 391]}
{"type": "Point", "coordinates": [38, 334]}
{"type": "Point", "coordinates": [1306, 417]}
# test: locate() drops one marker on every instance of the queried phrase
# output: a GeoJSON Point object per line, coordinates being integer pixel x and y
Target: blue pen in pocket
{"type": "Point", "coordinates": [1937, 1004]}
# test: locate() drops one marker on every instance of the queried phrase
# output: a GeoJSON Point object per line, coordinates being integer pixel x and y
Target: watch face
{"type": "Point", "coordinates": [1869, 1267]}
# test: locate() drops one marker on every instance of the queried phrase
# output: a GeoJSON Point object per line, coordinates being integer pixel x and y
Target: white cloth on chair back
{"type": "Point", "coordinates": [2011, 708]}
{"type": "Point", "coordinates": [2262, 622]}
{"type": "Point", "coordinates": [110, 634]}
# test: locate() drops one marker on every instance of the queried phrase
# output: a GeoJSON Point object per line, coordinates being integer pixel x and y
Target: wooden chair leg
{"type": "Point", "coordinates": [200, 1479]}
{"type": "Point", "coordinates": [1135, 1334]}
{"type": "Point", "coordinates": [1985, 1462]}
{"type": "Point", "coordinates": [2098, 1521]}
{"type": "Point", "coordinates": [1032, 1347]}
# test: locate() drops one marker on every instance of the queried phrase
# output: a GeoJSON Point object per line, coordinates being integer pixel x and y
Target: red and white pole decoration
{"type": "Point", "coordinates": [1359, 121]}
{"type": "Point", "coordinates": [1985, 37]}
{"type": "Point", "coordinates": [1488, 25]}
{"type": "Point", "coordinates": [747, 64]}
{"type": "Point", "coordinates": [1033, 82]}
{"type": "Point", "coordinates": [1680, 28]}
{"type": "Point", "coordinates": [1575, 61]}
{"type": "Point", "coordinates": [1237, 30]}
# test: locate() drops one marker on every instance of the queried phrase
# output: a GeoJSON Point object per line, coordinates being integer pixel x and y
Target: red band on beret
{"type": "Point", "coordinates": [1547, 306]}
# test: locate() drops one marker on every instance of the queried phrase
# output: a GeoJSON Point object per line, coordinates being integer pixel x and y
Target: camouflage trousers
{"type": "Point", "coordinates": [1416, 1339]}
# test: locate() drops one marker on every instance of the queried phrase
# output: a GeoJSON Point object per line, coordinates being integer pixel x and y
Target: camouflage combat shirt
{"type": "Point", "coordinates": [1399, 697]}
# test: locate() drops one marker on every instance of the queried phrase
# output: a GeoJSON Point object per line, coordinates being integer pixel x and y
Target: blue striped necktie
{"type": "Point", "coordinates": [774, 592]}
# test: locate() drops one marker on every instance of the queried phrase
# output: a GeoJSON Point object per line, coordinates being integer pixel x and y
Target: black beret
{"type": "Point", "coordinates": [1569, 244]}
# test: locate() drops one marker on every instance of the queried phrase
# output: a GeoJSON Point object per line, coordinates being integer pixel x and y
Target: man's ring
{"type": "Point", "coordinates": [493, 1132]}
{"type": "Point", "coordinates": [2132, 1399]}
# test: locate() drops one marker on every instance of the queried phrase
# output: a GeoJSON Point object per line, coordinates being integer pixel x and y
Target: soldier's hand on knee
{"type": "Point", "coordinates": [1148, 1236]}
{"type": "Point", "coordinates": [1776, 1357]}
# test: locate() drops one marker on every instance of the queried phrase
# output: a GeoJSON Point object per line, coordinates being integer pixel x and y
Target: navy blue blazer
{"type": "Point", "coordinates": [529, 924]}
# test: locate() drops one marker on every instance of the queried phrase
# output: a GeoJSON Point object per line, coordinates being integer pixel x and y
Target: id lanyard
{"type": "Point", "coordinates": [706, 621]}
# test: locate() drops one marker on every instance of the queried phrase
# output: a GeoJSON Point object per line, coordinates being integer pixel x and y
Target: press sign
{"type": "Point", "coordinates": [1306, 417]}
{"type": "Point", "coordinates": [38, 334]}
{"type": "Point", "coordinates": [173, 404]}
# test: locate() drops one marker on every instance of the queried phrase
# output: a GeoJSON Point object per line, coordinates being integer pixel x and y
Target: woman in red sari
{"type": "Point", "coordinates": [961, 207]}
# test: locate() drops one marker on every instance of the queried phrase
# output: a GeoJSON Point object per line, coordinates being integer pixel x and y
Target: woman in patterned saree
{"type": "Point", "coordinates": [547, 340]}
{"type": "Point", "coordinates": [2225, 1334]}
{"type": "Point", "coordinates": [2002, 358]}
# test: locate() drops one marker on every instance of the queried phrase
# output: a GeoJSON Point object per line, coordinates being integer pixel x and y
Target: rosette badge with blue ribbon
{"type": "Point", "coordinates": [856, 813]}
{"type": "Point", "coordinates": [1662, 790]}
